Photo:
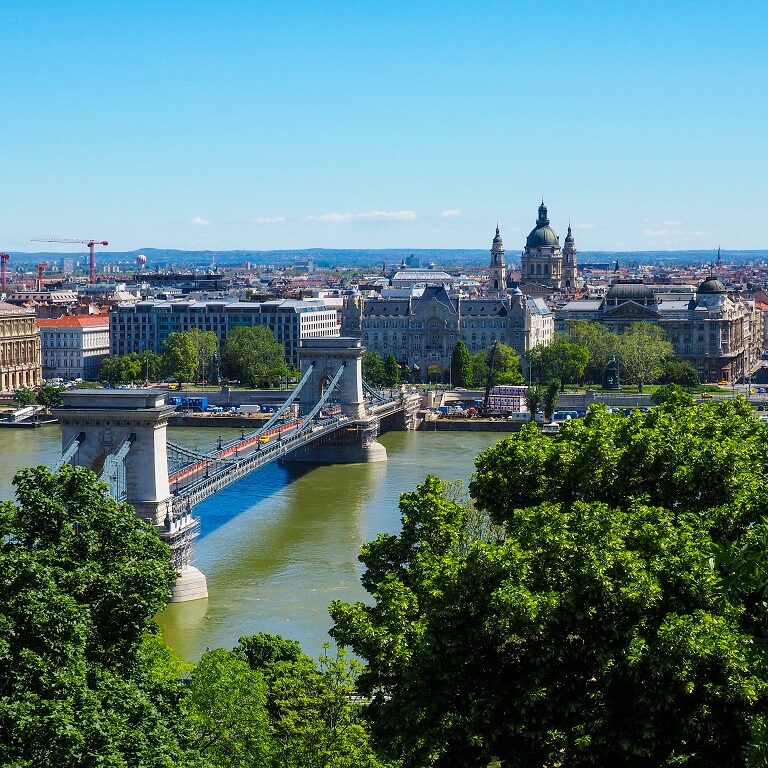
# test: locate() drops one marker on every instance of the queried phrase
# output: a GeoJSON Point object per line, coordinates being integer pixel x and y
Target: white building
{"type": "Point", "coordinates": [73, 347]}
{"type": "Point", "coordinates": [147, 324]}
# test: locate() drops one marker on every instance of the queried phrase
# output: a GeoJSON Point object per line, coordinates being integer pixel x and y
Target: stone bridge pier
{"type": "Point", "coordinates": [357, 442]}
{"type": "Point", "coordinates": [103, 420]}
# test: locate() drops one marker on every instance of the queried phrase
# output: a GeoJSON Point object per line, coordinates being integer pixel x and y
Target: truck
{"type": "Point", "coordinates": [196, 404]}
{"type": "Point", "coordinates": [250, 408]}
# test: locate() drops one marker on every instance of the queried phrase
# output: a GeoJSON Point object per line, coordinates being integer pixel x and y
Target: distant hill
{"type": "Point", "coordinates": [373, 258]}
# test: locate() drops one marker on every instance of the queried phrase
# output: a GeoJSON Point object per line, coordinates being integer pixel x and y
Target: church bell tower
{"type": "Point", "coordinates": [497, 282]}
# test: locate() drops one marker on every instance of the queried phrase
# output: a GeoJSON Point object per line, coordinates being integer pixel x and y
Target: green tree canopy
{"type": "Point", "coordinates": [643, 349]}
{"type": "Point", "coordinates": [24, 396]}
{"type": "Point", "coordinates": [373, 368]}
{"type": "Point", "coordinates": [180, 356]}
{"type": "Point", "coordinates": [561, 361]}
{"type": "Point", "coordinates": [616, 618]}
{"type": "Point", "coordinates": [462, 374]}
{"type": "Point", "coordinates": [81, 578]}
{"type": "Point", "coordinates": [269, 700]}
{"type": "Point", "coordinates": [207, 347]}
{"type": "Point", "coordinates": [680, 372]}
{"type": "Point", "coordinates": [254, 356]}
{"type": "Point", "coordinates": [391, 371]}
{"type": "Point", "coordinates": [549, 399]}
{"type": "Point", "coordinates": [599, 342]}
{"type": "Point", "coordinates": [480, 369]}
{"type": "Point", "coordinates": [50, 395]}
{"type": "Point", "coordinates": [506, 365]}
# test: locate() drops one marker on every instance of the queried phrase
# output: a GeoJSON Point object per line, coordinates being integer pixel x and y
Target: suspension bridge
{"type": "Point", "coordinates": [121, 434]}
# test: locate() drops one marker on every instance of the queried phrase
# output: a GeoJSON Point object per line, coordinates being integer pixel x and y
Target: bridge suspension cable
{"type": "Point", "coordinates": [322, 401]}
{"type": "Point", "coordinates": [373, 392]}
{"type": "Point", "coordinates": [69, 453]}
{"type": "Point", "coordinates": [287, 404]}
{"type": "Point", "coordinates": [114, 469]}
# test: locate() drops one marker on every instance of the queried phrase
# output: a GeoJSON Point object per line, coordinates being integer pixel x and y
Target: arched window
{"type": "Point", "coordinates": [546, 269]}
{"type": "Point", "coordinates": [538, 269]}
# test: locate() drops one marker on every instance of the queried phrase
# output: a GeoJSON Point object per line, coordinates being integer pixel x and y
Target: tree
{"type": "Point", "coordinates": [81, 578]}
{"type": "Point", "coordinates": [24, 396]}
{"type": "Point", "coordinates": [533, 398]}
{"type": "Point", "coordinates": [506, 366]}
{"type": "Point", "coordinates": [391, 371]}
{"type": "Point", "coordinates": [150, 365]}
{"type": "Point", "coordinates": [313, 719]}
{"type": "Point", "coordinates": [672, 393]}
{"type": "Point", "coordinates": [679, 372]}
{"type": "Point", "coordinates": [49, 395]}
{"type": "Point", "coordinates": [480, 369]}
{"type": "Point", "coordinates": [599, 342]}
{"type": "Point", "coordinates": [616, 619]}
{"type": "Point", "coordinates": [207, 346]}
{"type": "Point", "coordinates": [373, 368]}
{"type": "Point", "coordinates": [461, 366]}
{"type": "Point", "coordinates": [227, 712]}
{"type": "Point", "coordinates": [549, 399]}
{"type": "Point", "coordinates": [564, 361]}
{"type": "Point", "coordinates": [253, 355]}
{"type": "Point", "coordinates": [180, 356]}
{"type": "Point", "coordinates": [643, 348]}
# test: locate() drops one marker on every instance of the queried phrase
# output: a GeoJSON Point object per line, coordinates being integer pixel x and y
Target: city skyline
{"type": "Point", "coordinates": [243, 127]}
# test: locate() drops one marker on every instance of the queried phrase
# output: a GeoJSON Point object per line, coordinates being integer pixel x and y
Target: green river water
{"type": "Point", "coordinates": [281, 543]}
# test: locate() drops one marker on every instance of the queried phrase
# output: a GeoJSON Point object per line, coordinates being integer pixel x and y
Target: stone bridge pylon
{"type": "Point", "coordinates": [121, 435]}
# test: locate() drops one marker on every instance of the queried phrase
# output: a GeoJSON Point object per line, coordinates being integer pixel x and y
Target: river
{"type": "Point", "coordinates": [280, 544]}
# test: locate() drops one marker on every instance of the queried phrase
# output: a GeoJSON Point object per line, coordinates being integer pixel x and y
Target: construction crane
{"type": "Point", "coordinates": [40, 269]}
{"type": "Point", "coordinates": [3, 269]}
{"type": "Point", "coordinates": [90, 243]}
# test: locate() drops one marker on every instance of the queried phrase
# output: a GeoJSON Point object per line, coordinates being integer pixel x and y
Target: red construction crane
{"type": "Point", "coordinates": [40, 269]}
{"type": "Point", "coordinates": [89, 243]}
{"type": "Point", "coordinates": [3, 268]}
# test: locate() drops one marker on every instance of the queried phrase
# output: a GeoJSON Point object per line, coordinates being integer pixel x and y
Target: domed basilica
{"type": "Point", "coordinates": [544, 262]}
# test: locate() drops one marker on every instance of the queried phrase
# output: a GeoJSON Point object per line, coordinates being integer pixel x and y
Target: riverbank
{"type": "Point", "coordinates": [470, 425]}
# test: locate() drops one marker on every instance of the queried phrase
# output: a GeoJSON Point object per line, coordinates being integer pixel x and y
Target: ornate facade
{"type": "Point", "coordinates": [720, 335]}
{"type": "Point", "coordinates": [544, 262]}
{"type": "Point", "coordinates": [19, 348]}
{"type": "Point", "coordinates": [422, 330]}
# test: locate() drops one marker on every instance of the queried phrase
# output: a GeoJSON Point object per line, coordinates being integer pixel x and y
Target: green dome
{"type": "Point", "coordinates": [542, 237]}
{"type": "Point", "coordinates": [712, 285]}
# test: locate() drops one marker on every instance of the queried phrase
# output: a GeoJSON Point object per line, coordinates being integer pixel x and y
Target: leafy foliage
{"type": "Point", "coordinates": [561, 361]}
{"type": "Point", "coordinates": [180, 356]}
{"type": "Point", "coordinates": [80, 579]}
{"type": "Point", "coordinates": [619, 619]}
{"type": "Point", "coordinates": [50, 395]}
{"type": "Point", "coordinates": [391, 371]}
{"type": "Point", "coordinates": [373, 368]}
{"type": "Point", "coordinates": [254, 356]}
{"type": "Point", "coordinates": [461, 366]}
{"type": "Point", "coordinates": [24, 396]}
{"type": "Point", "coordinates": [679, 372]}
{"type": "Point", "coordinates": [643, 349]}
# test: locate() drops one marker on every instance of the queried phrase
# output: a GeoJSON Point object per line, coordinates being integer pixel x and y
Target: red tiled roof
{"type": "Point", "coordinates": [74, 321]}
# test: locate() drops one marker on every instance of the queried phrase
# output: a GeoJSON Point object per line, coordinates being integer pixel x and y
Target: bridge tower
{"type": "Point", "coordinates": [357, 443]}
{"type": "Point", "coordinates": [121, 435]}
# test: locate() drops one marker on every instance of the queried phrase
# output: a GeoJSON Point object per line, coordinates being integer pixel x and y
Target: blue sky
{"type": "Point", "coordinates": [373, 125]}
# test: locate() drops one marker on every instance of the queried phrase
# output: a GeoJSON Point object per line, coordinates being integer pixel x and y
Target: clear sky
{"type": "Point", "coordinates": [289, 124]}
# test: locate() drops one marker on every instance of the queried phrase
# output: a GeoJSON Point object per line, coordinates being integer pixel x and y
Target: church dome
{"type": "Point", "coordinates": [569, 236]}
{"type": "Point", "coordinates": [543, 236]}
{"type": "Point", "coordinates": [639, 292]}
{"type": "Point", "coordinates": [711, 285]}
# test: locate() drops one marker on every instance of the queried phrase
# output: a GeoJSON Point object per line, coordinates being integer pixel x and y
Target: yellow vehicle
{"type": "Point", "coordinates": [264, 438]}
{"type": "Point", "coordinates": [723, 383]}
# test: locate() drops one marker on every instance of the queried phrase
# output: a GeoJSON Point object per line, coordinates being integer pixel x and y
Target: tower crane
{"type": "Point", "coordinates": [3, 269]}
{"type": "Point", "coordinates": [40, 269]}
{"type": "Point", "coordinates": [90, 243]}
